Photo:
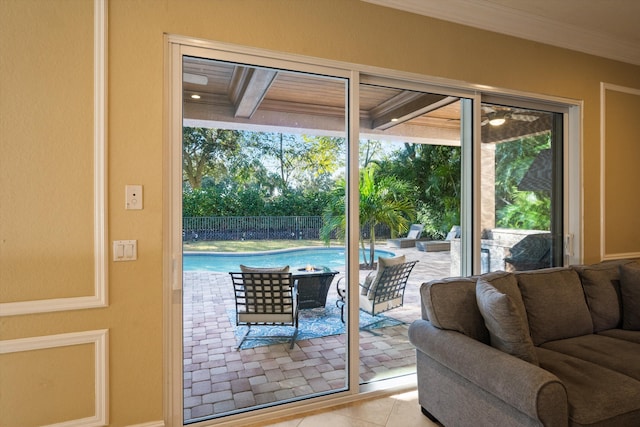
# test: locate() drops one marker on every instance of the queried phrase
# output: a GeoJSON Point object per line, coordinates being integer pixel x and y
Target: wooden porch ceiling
{"type": "Point", "coordinates": [249, 98]}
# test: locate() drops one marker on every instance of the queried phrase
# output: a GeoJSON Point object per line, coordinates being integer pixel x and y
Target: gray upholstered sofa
{"type": "Point", "coordinates": [551, 347]}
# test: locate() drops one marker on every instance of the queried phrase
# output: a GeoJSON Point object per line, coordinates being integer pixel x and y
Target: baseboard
{"type": "Point", "coordinates": [149, 424]}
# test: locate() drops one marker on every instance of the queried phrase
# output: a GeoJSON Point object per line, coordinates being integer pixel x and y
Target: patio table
{"type": "Point", "coordinates": [313, 286]}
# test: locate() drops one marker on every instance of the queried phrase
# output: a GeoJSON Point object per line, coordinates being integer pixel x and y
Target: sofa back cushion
{"type": "Point", "coordinates": [555, 303]}
{"type": "Point", "coordinates": [630, 289]}
{"type": "Point", "coordinates": [601, 284]}
{"type": "Point", "coordinates": [508, 329]}
{"type": "Point", "coordinates": [451, 304]}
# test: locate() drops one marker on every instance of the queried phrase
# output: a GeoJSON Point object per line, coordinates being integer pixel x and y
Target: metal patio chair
{"type": "Point", "coordinates": [385, 293]}
{"type": "Point", "coordinates": [265, 299]}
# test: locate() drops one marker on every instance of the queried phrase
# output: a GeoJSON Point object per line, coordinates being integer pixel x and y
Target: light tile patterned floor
{"type": "Point", "coordinates": [400, 410]}
{"type": "Point", "coordinates": [219, 379]}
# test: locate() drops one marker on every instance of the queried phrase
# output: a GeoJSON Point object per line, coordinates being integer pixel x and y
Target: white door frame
{"type": "Point", "coordinates": [175, 48]}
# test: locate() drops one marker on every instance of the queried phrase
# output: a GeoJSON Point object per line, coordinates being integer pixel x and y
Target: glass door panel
{"type": "Point", "coordinates": [263, 150]}
{"type": "Point", "coordinates": [521, 187]}
{"type": "Point", "coordinates": [410, 207]}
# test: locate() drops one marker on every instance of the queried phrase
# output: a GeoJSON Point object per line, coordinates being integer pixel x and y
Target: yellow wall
{"type": "Point", "coordinates": [46, 146]}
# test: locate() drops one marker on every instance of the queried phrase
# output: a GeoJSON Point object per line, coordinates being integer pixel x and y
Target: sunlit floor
{"type": "Point", "coordinates": [400, 410]}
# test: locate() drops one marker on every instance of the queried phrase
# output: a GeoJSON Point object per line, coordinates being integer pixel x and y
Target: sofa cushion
{"type": "Point", "coordinates": [597, 396]}
{"type": "Point", "coordinates": [621, 334]}
{"type": "Point", "coordinates": [612, 353]}
{"type": "Point", "coordinates": [507, 327]}
{"type": "Point", "coordinates": [451, 304]}
{"type": "Point", "coordinates": [555, 303]}
{"type": "Point", "coordinates": [601, 283]}
{"type": "Point", "coordinates": [630, 290]}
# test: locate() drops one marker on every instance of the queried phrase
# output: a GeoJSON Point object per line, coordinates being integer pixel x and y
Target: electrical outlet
{"type": "Point", "coordinates": [133, 197]}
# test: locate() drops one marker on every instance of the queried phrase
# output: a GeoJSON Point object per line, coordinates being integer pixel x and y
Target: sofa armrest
{"type": "Point", "coordinates": [537, 393]}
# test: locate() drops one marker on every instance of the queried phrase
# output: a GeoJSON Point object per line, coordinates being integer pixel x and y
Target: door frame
{"type": "Point", "coordinates": [176, 46]}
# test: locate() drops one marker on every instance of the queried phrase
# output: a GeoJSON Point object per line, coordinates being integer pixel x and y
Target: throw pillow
{"type": "Point", "coordinates": [507, 328]}
{"type": "Point", "coordinates": [246, 269]}
{"type": "Point", "coordinates": [602, 297]}
{"type": "Point", "coordinates": [507, 283]}
{"type": "Point", "coordinates": [630, 290]}
{"type": "Point", "coordinates": [382, 264]}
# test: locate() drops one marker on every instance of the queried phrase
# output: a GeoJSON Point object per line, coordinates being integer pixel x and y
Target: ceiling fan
{"type": "Point", "coordinates": [497, 116]}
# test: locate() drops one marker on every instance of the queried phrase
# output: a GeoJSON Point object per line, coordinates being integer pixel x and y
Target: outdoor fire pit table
{"type": "Point", "coordinates": [313, 286]}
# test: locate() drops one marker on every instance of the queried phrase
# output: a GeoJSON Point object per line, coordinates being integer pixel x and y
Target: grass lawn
{"type": "Point", "coordinates": [251, 245]}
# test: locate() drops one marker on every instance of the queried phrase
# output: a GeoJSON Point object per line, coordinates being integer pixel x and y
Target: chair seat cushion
{"type": "Point", "coordinates": [265, 318]}
{"type": "Point", "coordinates": [374, 309]}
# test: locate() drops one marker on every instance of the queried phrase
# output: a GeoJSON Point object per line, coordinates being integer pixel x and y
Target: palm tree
{"type": "Point", "coordinates": [386, 201]}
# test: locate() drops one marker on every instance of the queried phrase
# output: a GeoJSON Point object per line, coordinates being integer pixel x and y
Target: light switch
{"type": "Point", "coordinates": [125, 250]}
{"type": "Point", "coordinates": [133, 196]}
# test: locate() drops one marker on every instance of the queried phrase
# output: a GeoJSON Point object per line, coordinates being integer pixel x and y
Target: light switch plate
{"type": "Point", "coordinates": [133, 197]}
{"type": "Point", "coordinates": [125, 250]}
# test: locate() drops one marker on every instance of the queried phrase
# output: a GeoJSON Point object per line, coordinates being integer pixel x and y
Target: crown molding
{"type": "Point", "coordinates": [492, 17]}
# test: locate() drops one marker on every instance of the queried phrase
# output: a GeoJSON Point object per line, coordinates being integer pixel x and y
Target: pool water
{"type": "Point", "coordinates": [295, 258]}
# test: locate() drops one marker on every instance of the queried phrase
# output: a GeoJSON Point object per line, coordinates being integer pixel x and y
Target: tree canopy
{"type": "Point", "coordinates": [241, 173]}
{"type": "Point", "coordinates": [204, 152]}
{"type": "Point", "coordinates": [383, 200]}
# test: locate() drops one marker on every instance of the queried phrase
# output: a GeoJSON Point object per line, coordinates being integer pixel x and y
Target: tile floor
{"type": "Point", "coordinates": [400, 410]}
{"type": "Point", "coordinates": [220, 379]}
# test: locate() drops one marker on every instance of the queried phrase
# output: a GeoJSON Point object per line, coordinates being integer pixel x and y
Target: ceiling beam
{"type": "Point", "coordinates": [201, 114]}
{"type": "Point", "coordinates": [405, 106]}
{"type": "Point", "coordinates": [248, 88]}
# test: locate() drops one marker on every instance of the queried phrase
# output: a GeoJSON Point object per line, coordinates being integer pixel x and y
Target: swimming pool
{"type": "Point", "coordinates": [295, 258]}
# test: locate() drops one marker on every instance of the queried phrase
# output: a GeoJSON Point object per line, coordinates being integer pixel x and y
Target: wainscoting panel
{"type": "Point", "coordinates": [57, 380]}
{"type": "Point", "coordinates": [620, 172]}
{"type": "Point", "coordinates": [55, 231]}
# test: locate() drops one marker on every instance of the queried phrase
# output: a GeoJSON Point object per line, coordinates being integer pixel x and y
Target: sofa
{"type": "Point", "coordinates": [549, 347]}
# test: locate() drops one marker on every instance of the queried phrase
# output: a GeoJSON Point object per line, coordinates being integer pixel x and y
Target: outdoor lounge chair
{"type": "Point", "coordinates": [265, 299]}
{"type": "Point", "coordinates": [384, 292]}
{"type": "Point", "coordinates": [440, 245]}
{"type": "Point", "coordinates": [410, 241]}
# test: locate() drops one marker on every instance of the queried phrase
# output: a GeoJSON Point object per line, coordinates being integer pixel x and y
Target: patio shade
{"type": "Point", "coordinates": [538, 176]}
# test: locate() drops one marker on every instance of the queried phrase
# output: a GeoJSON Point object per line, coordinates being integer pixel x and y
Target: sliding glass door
{"type": "Point", "coordinates": [522, 189]}
{"type": "Point", "coordinates": [263, 152]}
{"type": "Point", "coordinates": [296, 188]}
{"type": "Point", "coordinates": [410, 204]}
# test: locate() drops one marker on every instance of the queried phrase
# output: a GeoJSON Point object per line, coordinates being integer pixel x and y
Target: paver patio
{"type": "Point", "coordinates": [219, 379]}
